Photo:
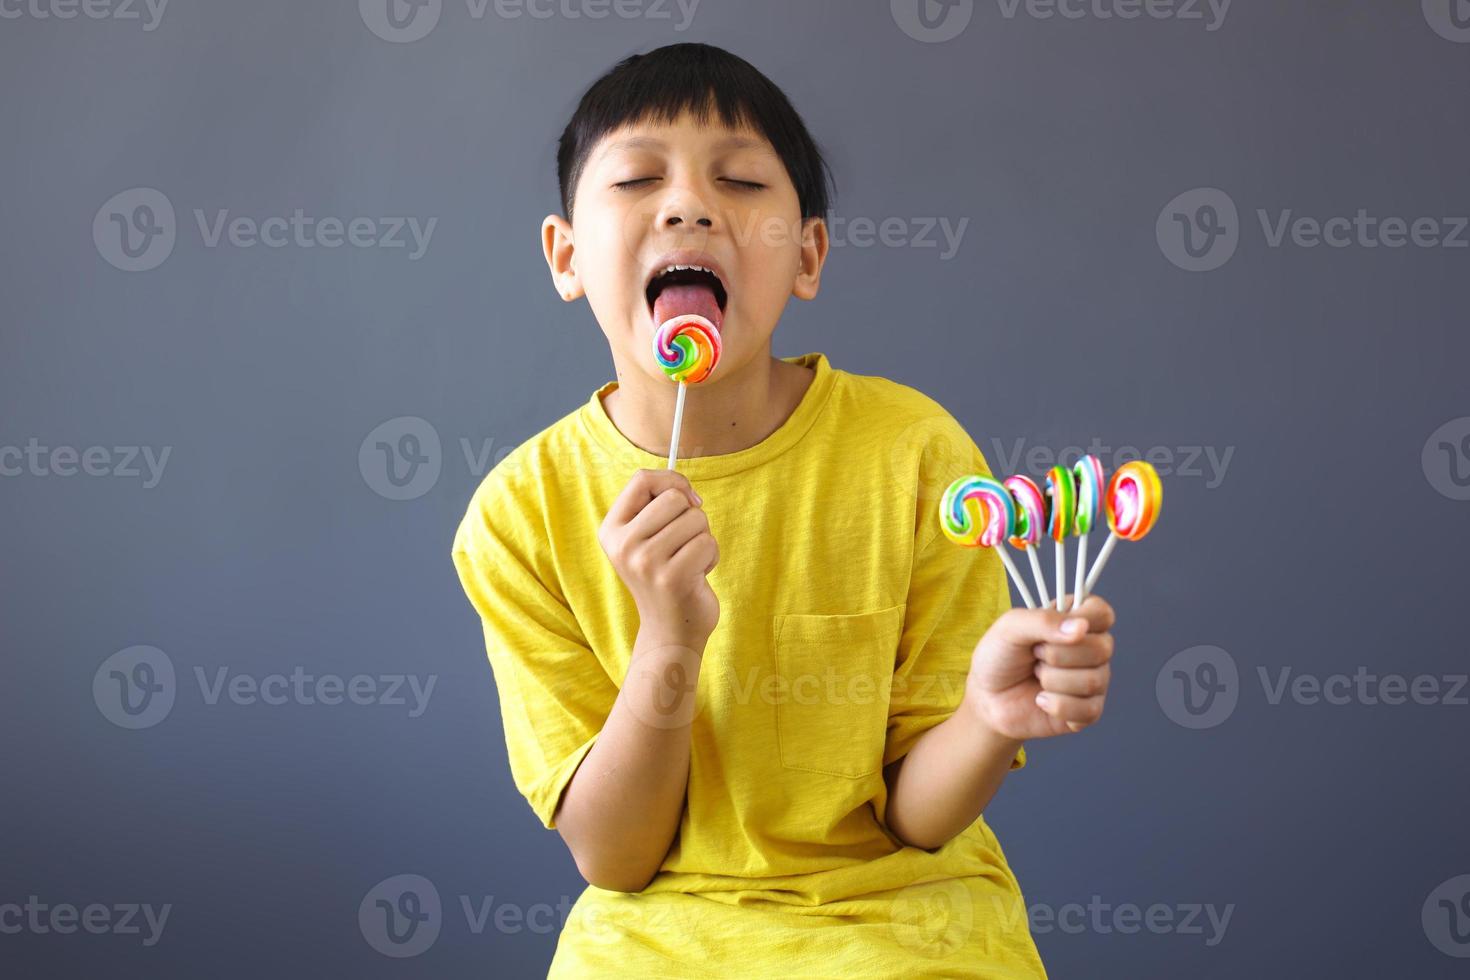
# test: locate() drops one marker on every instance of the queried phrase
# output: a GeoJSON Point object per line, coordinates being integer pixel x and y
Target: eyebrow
{"type": "Point", "coordinates": [654, 143]}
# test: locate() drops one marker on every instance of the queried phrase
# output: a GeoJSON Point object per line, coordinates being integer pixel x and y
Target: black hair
{"type": "Point", "coordinates": [699, 78]}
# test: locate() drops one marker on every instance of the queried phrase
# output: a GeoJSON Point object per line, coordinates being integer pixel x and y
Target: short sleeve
{"type": "Point", "coordinates": [955, 593]}
{"type": "Point", "coordinates": [554, 693]}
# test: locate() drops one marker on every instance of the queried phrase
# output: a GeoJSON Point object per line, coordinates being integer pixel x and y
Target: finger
{"type": "Point", "coordinates": [1091, 650]}
{"type": "Point", "coordinates": [699, 553]}
{"type": "Point", "coordinates": [1076, 711]}
{"type": "Point", "coordinates": [677, 533]}
{"type": "Point", "coordinates": [1028, 627]}
{"type": "Point", "coordinates": [644, 487]}
{"type": "Point", "coordinates": [1096, 610]}
{"type": "Point", "coordinates": [657, 515]}
{"type": "Point", "coordinates": [1085, 682]}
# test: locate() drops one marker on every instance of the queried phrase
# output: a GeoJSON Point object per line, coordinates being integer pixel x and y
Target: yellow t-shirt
{"type": "Point", "coordinates": [847, 624]}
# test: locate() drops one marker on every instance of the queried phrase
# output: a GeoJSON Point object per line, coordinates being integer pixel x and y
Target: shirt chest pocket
{"type": "Point", "coordinates": [834, 674]}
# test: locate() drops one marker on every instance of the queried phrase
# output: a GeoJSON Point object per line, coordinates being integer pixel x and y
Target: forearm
{"type": "Point", "coordinates": [946, 780]}
{"type": "Point", "coordinates": [621, 811]}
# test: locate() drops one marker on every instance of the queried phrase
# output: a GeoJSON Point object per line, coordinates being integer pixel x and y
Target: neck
{"type": "Point", "coordinates": [733, 412]}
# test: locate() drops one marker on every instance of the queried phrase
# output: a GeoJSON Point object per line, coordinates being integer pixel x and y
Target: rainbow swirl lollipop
{"type": "Point", "coordinates": [1132, 502]}
{"type": "Point", "coordinates": [1061, 503]}
{"type": "Point", "coordinates": [1088, 473]}
{"type": "Point", "coordinates": [978, 511]}
{"type": "Point", "coordinates": [1030, 524]}
{"type": "Point", "coordinates": [687, 348]}
{"type": "Point", "coordinates": [1061, 519]}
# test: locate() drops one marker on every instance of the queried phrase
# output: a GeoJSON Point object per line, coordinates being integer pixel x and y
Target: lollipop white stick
{"type": "Point", "coordinates": [1102, 559]}
{"type": "Point", "coordinates": [1038, 576]}
{"type": "Point", "coordinates": [1016, 576]}
{"type": "Point", "coordinates": [1079, 586]}
{"type": "Point", "coordinates": [1061, 564]}
{"type": "Point", "coordinates": [678, 424]}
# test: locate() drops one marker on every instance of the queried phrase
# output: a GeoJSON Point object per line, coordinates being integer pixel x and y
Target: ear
{"type": "Point", "coordinates": [556, 241]}
{"type": "Point", "coordinates": [814, 246]}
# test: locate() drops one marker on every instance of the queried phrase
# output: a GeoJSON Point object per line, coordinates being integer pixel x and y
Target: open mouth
{"type": "Point", "coordinates": [677, 290]}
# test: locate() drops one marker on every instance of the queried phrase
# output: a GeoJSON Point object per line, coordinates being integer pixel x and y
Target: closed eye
{"type": "Point", "coordinates": [744, 184]}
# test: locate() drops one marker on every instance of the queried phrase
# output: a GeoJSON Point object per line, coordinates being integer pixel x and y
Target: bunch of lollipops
{"type": "Point", "coordinates": [983, 512]}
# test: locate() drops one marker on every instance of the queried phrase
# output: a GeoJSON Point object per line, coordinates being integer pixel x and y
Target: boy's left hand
{"type": "Point", "coordinates": [1030, 679]}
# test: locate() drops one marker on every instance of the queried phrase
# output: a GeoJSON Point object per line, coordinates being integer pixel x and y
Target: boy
{"type": "Point", "coordinates": [748, 693]}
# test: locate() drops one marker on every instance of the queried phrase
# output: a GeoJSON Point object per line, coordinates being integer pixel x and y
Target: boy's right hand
{"type": "Point", "coordinates": [657, 536]}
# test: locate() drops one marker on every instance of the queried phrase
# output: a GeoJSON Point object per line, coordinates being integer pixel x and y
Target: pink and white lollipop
{"type": "Point", "coordinates": [1030, 526]}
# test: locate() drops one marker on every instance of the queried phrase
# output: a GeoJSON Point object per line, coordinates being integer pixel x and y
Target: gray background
{"type": "Point", "coordinates": [1332, 542]}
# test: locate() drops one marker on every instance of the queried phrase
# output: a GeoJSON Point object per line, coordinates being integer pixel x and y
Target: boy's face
{"type": "Point", "coordinates": [652, 194]}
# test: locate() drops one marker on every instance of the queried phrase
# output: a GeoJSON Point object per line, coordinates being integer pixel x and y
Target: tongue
{"type": "Point", "coordinates": [682, 298]}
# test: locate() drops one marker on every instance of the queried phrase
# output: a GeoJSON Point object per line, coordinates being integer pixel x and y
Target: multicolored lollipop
{"type": "Point", "coordinates": [978, 511]}
{"type": "Point", "coordinates": [1132, 502]}
{"type": "Point", "coordinates": [1088, 472]}
{"type": "Point", "coordinates": [1061, 517]}
{"type": "Point", "coordinates": [687, 348]}
{"type": "Point", "coordinates": [1030, 523]}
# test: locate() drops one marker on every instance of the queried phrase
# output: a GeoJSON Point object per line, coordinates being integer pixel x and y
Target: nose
{"type": "Point", "coordinates": [683, 207]}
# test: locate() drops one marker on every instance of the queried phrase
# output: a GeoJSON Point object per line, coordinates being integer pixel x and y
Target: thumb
{"type": "Point", "coordinates": [1027, 627]}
